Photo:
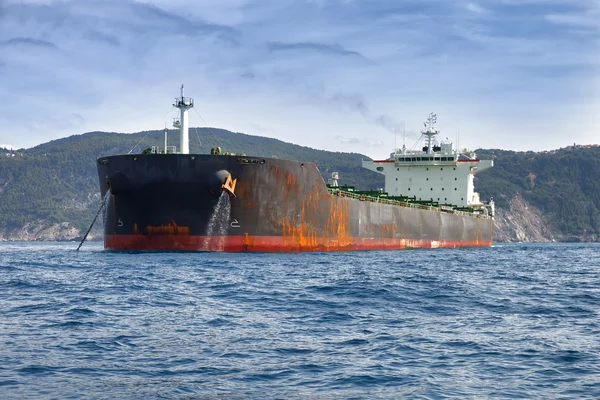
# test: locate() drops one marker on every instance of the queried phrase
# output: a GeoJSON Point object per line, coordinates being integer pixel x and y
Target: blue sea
{"type": "Point", "coordinates": [512, 321]}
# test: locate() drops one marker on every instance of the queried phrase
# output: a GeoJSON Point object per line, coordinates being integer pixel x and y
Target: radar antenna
{"type": "Point", "coordinates": [430, 130]}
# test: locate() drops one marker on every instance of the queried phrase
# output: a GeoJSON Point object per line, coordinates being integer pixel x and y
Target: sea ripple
{"type": "Point", "coordinates": [511, 321]}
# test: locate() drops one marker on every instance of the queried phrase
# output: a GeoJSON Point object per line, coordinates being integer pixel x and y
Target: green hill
{"type": "Point", "coordinates": [563, 184]}
{"type": "Point", "coordinates": [56, 182]}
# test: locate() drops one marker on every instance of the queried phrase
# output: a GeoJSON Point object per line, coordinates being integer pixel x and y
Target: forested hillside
{"type": "Point", "coordinates": [563, 184]}
{"type": "Point", "coordinates": [56, 182]}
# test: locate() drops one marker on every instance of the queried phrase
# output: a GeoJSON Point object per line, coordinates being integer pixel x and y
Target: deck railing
{"type": "Point", "coordinates": [382, 200]}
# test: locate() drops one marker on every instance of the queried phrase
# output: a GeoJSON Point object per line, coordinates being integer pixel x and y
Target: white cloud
{"type": "Point", "coordinates": [590, 19]}
{"type": "Point", "coordinates": [476, 8]}
{"type": "Point", "coordinates": [311, 71]}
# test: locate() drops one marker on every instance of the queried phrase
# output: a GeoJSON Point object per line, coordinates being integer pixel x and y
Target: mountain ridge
{"type": "Point", "coordinates": [51, 190]}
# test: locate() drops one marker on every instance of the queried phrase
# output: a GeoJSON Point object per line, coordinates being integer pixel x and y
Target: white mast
{"type": "Point", "coordinates": [184, 104]}
{"type": "Point", "coordinates": [166, 133]}
{"type": "Point", "coordinates": [430, 130]}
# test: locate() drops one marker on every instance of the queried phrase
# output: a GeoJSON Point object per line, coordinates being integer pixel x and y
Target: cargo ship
{"type": "Point", "coordinates": [170, 200]}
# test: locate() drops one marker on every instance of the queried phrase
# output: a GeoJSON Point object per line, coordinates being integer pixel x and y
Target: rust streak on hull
{"type": "Point", "coordinates": [166, 202]}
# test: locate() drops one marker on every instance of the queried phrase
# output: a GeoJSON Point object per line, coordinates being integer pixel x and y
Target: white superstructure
{"type": "Point", "coordinates": [438, 172]}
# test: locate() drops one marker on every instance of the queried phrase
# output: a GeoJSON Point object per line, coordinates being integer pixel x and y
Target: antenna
{"type": "Point", "coordinates": [457, 133]}
{"type": "Point", "coordinates": [430, 130]}
{"type": "Point", "coordinates": [166, 133]}
{"type": "Point", "coordinates": [395, 141]}
{"type": "Point", "coordinates": [403, 136]}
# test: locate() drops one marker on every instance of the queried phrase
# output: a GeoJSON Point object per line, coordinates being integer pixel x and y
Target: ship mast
{"type": "Point", "coordinates": [430, 130]}
{"type": "Point", "coordinates": [184, 104]}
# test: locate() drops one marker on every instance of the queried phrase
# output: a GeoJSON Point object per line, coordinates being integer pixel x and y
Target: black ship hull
{"type": "Point", "coordinates": [176, 202]}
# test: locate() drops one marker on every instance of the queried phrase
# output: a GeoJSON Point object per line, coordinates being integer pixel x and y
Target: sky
{"type": "Point", "coordinates": [342, 75]}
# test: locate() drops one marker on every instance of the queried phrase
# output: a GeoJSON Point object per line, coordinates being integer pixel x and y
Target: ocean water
{"type": "Point", "coordinates": [511, 321]}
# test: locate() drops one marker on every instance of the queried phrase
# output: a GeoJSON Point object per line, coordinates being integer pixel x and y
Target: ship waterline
{"type": "Point", "coordinates": [271, 244]}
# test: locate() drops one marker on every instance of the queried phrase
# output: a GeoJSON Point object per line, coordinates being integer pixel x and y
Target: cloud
{"type": "Point", "coordinates": [358, 104]}
{"type": "Point", "coordinates": [370, 143]}
{"type": "Point", "coordinates": [335, 49]}
{"type": "Point", "coordinates": [315, 72]}
{"type": "Point", "coordinates": [102, 37]}
{"type": "Point", "coordinates": [28, 42]}
{"type": "Point", "coordinates": [7, 146]}
{"type": "Point", "coordinates": [348, 140]}
{"type": "Point", "coordinates": [590, 19]}
{"type": "Point", "coordinates": [476, 8]}
{"type": "Point", "coordinates": [69, 122]}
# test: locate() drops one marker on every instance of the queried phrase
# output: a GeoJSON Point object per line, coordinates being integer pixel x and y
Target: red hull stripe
{"type": "Point", "coordinates": [271, 243]}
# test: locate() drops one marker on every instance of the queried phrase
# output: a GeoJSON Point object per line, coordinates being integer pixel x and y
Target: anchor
{"type": "Point", "coordinates": [229, 185]}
